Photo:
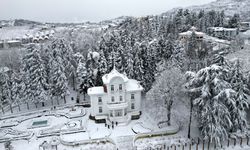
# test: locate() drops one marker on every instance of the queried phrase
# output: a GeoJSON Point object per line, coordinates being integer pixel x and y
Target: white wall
{"type": "Point", "coordinates": [106, 98]}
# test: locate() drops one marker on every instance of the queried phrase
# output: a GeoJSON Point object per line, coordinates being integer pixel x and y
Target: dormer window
{"type": "Point", "coordinates": [112, 88]}
{"type": "Point", "coordinates": [120, 87]}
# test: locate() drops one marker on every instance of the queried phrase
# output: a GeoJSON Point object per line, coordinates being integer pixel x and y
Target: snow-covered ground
{"type": "Point", "coordinates": [16, 32]}
{"type": "Point", "coordinates": [91, 130]}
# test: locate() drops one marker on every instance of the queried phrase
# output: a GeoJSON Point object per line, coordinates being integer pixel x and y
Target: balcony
{"type": "Point", "coordinates": [118, 105]}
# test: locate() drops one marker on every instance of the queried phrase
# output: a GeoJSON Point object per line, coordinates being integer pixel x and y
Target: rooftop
{"type": "Point", "coordinates": [189, 33]}
{"type": "Point", "coordinates": [133, 85]}
{"type": "Point", "coordinates": [192, 29]}
{"type": "Point", "coordinates": [222, 29]}
{"type": "Point", "coordinates": [114, 73]}
{"type": "Point", "coordinates": [96, 90]}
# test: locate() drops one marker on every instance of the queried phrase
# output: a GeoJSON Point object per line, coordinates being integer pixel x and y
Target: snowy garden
{"type": "Point", "coordinates": [193, 84]}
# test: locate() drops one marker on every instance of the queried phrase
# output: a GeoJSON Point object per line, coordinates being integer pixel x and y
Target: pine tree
{"type": "Point", "coordinates": [58, 79]}
{"type": "Point", "coordinates": [138, 65]}
{"type": "Point", "coordinates": [34, 76]}
{"type": "Point", "coordinates": [102, 69]}
{"type": "Point", "coordinates": [3, 89]}
{"type": "Point", "coordinates": [238, 82]}
{"type": "Point", "coordinates": [212, 94]}
{"type": "Point", "coordinates": [63, 50]}
{"type": "Point", "coordinates": [234, 22]}
{"type": "Point", "coordinates": [18, 89]}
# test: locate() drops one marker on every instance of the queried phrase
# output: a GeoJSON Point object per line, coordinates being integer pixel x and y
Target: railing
{"type": "Point", "coordinates": [196, 144]}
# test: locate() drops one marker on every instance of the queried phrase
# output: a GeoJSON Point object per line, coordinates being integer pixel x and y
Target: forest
{"type": "Point", "coordinates": [147, 49]}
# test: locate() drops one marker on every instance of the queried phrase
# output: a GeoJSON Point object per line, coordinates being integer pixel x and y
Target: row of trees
{"type": "Point", "coordinates": [44, 74]}
{"type": "Point", "coordinates": [150, 27]}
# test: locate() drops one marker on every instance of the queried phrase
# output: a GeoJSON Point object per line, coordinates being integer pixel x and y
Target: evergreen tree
{"type": "Point", "coordinates": [238, 82]}
{"type": "Point", "coordinates": [63, 50]}
{"type": "Point", "coordinates": [3, 88]}
{"type": "Point", "coordinates": [34, 76]}
{"type": "Point", "coordinates": [212, 94]}
{"type": "Point", "coordinates": [58, 79]}
{"type": "Point", "coordinates": [138, 65]}
{"type": "Point", "coordinates": [102, 69]}
{"type": "Point", "coordinates": [234, 22]}
{"type": "Point", "coordinates": [82, 78]}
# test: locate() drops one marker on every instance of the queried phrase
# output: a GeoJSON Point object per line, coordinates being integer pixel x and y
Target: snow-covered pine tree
{"type": "Point", "coordinates": [129, 67]}
{"type": "Point", "coordinates": [238, 82]}
{"type": "Point", "coordinates": [58, 79]}
{"type": "Point", "coordinates": [102, 69]}
{"type": "Point", "coordinates": [34, 76]}
{"type": "Point", "coordinates": [11, 86]}
{"type": "Point", "coordinates": [138, 64]}
{"type": "Point", "coordinates": [85, 77]}
{"type": "Point", "coordinates": [213, 96]}
{"type": "Point", "coordinates": [119, 59]}
{"type": "Point", "coordinates": [234, 22]}
{"type": "Point", "coordinates": [65, 52]}
{"type": "Point", "coordinates": [3, 89]}
{"type": "Point", "coordinates": [18, 89]}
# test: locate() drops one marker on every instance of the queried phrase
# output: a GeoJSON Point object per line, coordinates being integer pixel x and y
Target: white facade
{"type": "Point", "coordinates": [223, 33]}
{"type": "Point", "coordinates": [117, 100]}
{"type": "Point", "coordinates": [184, 36]}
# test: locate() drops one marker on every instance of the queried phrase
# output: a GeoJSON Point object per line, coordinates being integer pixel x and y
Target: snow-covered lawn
{"type": "Point", "coordinates": [74, 129]}
{"type": "Point", "coordinates": [82, 128]}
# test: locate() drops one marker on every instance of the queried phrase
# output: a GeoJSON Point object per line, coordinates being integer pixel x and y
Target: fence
{"type": "Point", "coordinates": [199, 144]}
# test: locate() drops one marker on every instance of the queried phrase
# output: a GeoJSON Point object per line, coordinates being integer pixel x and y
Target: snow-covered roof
{"type": "Point", "coordinates": [13, 41]}
{"type": "Point", "coordinates": [96, 90]}
{"type": "Point", "coordinates": [114, 73]}
{"type": "Point", "coordinates": [133, 85]}
{"type": "Point", "coordinates": [130, 84]}
{"type": "Point", "coordinates": [189, 33]}
{"type": "Point", "coordinates": [222, 29]}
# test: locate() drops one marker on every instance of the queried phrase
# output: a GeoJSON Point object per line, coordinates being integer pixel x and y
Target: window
{"type": "Point", "coordinates": [112, 88]}
{"type": "Point", "coordinates": [132, 105]}
{"type": "Point", "coordinates": [112, 99]}
{"type": "Point", "coordinates": [132, 96]}
{"type": "Point", "coordinates": [111, 113]}
{"type": "Point", "coordinates": [99, 100]}
{"type": "Point", "coordinates": [100, 109]}
{"type": "Point", "coordinates": [120, 87]}
{"type": "Point", "coordinates": [120, 98]}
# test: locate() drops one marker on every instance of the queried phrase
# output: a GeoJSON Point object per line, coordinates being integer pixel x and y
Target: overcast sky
{"type": "Point", "coordinates": [86, 10]}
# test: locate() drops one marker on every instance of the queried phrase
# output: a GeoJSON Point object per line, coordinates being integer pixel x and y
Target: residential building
{"type": "Point", "coordinates": [118, 100]}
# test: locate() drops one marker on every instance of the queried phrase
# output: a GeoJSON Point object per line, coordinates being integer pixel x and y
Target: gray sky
{"type": "Point", "coordinates": [86, 10]}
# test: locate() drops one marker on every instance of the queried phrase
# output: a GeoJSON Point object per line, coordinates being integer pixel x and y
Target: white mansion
{"type": "Point", "coordinates": [118, 100]}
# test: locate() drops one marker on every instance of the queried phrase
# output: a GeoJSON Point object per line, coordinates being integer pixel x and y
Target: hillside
{"type": "Point", "coordinates": [230, 7]}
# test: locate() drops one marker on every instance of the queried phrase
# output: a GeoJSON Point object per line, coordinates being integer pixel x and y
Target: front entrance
{"type": "Point", "coordinates": [118, 115]}
{"type": "Point", "coordinates": [118, 112]}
